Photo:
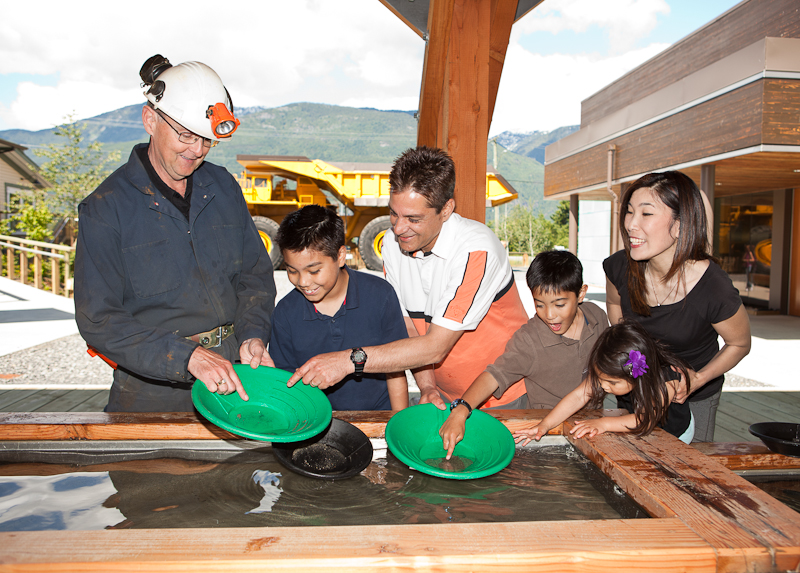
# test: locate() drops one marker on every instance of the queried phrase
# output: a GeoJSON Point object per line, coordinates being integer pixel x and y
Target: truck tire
{"type": "Point", "coordinates": [268, 231]}
{"type": "Point", "coordinates": [370, 242]}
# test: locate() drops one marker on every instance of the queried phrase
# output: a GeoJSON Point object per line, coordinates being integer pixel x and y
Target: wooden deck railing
{"type": "Point", "coordinates": [56, 263]}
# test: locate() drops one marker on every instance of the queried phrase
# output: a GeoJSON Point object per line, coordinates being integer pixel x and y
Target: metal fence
{"type": "Point", "coordinates": [50, 263]}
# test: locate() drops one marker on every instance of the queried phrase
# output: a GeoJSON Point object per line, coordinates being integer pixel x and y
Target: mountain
{"type": "Point", "coordinates": [319, 131]}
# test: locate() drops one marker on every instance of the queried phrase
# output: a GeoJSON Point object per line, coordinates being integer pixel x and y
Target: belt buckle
{"type": "Point", "coordinates": [212, 339]}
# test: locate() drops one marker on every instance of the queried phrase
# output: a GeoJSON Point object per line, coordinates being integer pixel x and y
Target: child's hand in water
{"type": "Point", "coordinates": [589, 428]}
{"type": "Point", "coordinates": [534, 433]}
{"type": "Point", "coordinates": [452, 431]}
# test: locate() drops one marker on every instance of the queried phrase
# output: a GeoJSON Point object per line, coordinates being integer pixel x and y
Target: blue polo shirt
{"type": "Point", "coordinates": [370, 316]}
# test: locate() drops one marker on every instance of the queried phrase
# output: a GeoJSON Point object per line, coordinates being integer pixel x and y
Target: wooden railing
{"type": "Point", "coordinates": [56, 258]}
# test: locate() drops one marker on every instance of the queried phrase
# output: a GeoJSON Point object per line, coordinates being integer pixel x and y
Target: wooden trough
{"type": "Point", "coordinates": [703, 516]}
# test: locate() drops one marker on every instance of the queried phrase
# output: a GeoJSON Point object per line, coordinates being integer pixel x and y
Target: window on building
{"type": "Point", "coordinates": [743, 243]}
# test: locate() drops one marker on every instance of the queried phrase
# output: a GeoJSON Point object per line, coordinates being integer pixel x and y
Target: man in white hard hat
{"type": "Point", "coordinates": [172, 282]}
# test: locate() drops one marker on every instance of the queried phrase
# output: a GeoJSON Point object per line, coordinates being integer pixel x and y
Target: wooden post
{"type": "Point", "coordinates": [37, 270]}
{"type": "Point", "coordinates": [468, 104]}
{"type": "Point", "coordinates": [67, 286]}
{"type": "Point", "coordinates": [55, 272]}
{"type": "Point", "coordinates": [10, 263]}
{"type": "Point", "coordinates": [23, 267]}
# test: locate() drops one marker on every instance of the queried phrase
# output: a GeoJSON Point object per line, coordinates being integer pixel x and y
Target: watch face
{"type": "Point", "coordinates": [358, 355]}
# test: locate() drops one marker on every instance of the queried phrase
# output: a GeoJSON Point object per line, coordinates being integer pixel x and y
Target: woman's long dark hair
{"type": "Point", "coordinates": [680, 194]}
{"type": "Point", "coordinates": [649, 395]}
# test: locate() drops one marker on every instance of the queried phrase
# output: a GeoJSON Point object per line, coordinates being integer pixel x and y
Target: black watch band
{"type": "Point", "coordinates": [358, 357]}
{"type": "Point", "coordinates": [459, 401]}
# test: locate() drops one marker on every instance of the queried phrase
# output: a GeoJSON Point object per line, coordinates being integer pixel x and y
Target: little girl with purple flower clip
{"type": "Point", "coordinates": [641, 373]}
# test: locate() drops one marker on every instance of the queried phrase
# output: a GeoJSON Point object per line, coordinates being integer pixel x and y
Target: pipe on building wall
{"type": "Point", "coordinates": [573, 224]}
{"type": "Point", "coordinates": [614, 235]}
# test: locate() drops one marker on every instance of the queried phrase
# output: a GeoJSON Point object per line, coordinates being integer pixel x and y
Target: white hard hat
{"type": "Point", "coordinates": [192, 94]}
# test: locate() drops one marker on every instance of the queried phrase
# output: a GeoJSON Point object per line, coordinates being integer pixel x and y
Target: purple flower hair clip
{"type": "Point", "coordinates": [636, 364]}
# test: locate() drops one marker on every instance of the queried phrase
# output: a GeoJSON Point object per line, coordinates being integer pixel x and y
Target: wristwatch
{"type": "Point", "coordinates": [359, 358]}
{"type": "Point", "coordinates": [458, 401]}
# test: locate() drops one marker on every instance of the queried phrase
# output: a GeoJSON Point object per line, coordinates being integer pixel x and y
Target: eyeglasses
{"type": "Point", "coordinates": [187, 136]}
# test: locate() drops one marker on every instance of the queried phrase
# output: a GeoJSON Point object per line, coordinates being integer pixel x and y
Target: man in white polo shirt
{"type": "Point", "coordinates": [455, 286]}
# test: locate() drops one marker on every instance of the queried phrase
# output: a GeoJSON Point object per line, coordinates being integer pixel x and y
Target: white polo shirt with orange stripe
{"type": "Point", "coordinates": [465, 283]}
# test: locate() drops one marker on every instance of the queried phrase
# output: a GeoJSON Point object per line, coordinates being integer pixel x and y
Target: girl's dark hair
{"type": "Point", "coordinates": [312, 227]}
{"type": "Point", "coordinates": [680, 194]}
{"type": "Point", "coordinates": [428, 171]}
{"type": "Point", "coordinates": [649, 395]}
{"type": "Point", "coordinates": [554, 272]}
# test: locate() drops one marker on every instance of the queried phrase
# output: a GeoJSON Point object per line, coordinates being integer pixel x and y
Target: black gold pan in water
{"type": "Point", "coordinates": [780, 437]}
{"type": "Point", "coordinates": [340, 452]}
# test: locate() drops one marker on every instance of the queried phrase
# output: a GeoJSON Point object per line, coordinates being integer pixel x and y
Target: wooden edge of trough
{"type": "Point", "coordinates": [705, 517]}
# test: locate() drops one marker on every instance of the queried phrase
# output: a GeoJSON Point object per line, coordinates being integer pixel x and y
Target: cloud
{"type": "Point", "coordinates": [625, 21]}
{"type": "Point", "coordinates": [268, 52]}
{"type": "Point", "coordinates": [544, 92]}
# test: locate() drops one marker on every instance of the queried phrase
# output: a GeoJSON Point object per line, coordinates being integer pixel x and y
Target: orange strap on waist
{"type": "Point", "coordinates": [91, 351]}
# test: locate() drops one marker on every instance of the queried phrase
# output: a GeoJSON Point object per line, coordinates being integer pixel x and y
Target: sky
{"type": "Point", "coordinates": [82, 57]}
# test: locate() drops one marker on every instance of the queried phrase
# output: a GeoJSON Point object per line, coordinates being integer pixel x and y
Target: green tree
{"type": "Point", "coordinates": [73, 169]}
{"type": "Point", "coordinates": [32, 219]}
{"type": "Point", "coordinates": [527, 232]}
{"type": "Point", "coordinates": [561, 216]}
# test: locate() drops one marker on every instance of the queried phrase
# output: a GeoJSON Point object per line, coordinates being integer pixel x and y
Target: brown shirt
{"type": "Point", "coordinates": [552, 365]}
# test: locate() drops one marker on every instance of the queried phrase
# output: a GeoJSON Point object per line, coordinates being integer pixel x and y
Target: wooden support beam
{"type": "Point", "coordinates": [463, 63]}
{"type": "Point", "coordinates": [434, 73]}
{"type": "Point", "coordinates": [503, 12]}
{"type": "Point", "coordinates": [468, 104]}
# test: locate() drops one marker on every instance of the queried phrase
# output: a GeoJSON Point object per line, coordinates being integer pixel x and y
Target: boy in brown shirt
{"type": "Point", "coordinates": [549, 351]}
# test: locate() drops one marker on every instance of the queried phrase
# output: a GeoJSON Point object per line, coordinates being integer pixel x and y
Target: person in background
{"type": "Point", "coordinates": [455, 285]}
{"type": "Point", "coordinates": [628, 363]}
{"type": "Point", "coordinates": [549, 352]}
{"type": "Point", "coordinates": [334, 309]}
{"type": "Point", "coordinates": [666, 280]}
{"type": "Point", "coordinates": [172, 282]}
{"type": "Point", "coordinates": [749, 260]}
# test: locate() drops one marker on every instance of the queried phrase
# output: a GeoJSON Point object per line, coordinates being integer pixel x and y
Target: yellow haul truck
{"type": "Point", "coordinates": [276, 185]}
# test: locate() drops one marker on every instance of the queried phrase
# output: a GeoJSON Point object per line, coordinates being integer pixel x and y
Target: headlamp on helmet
{"type": "Point", "coordinates": [223, 124]}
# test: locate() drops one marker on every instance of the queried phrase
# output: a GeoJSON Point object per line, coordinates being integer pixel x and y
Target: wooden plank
{"type": "Point", "coordinates": [734, 425]}
{"type": "Point", "coordinates": [13, 400]}
{"type": "Point", "coordinates": [578, 546]}
{"type": "Point", "coordinates": [726, 123]}
{"type": "Point", "coordinates": [95, 403]}
{"type": "Point", "coordinates": [36, 400]}
{"type": "Point", "coordinates": [747, 527]}
{"type": "Point", "coordinates": [763, 408]}
{"type": "Point", "coordinates": [72, 399]}
{"type": "Point", "coordinates": [723, 435]}
{"type": "Point", "coordinates": [747, 456]}
{"type": "Point", "coordinates": [745, 24]}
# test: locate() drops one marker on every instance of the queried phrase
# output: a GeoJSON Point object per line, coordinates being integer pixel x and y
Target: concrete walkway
{"type": "Point", "coordinates": [30, 317]}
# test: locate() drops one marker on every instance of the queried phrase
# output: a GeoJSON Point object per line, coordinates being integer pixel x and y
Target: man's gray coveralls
{"type": "Point", "coordinates": [145, 279]}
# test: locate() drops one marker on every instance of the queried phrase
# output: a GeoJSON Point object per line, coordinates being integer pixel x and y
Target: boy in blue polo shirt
{"type": "Point", "coordinates": [333, 308]}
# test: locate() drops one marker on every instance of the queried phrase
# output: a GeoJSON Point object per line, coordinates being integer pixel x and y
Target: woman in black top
{"type": "Point", "coordinates": [666, 280]}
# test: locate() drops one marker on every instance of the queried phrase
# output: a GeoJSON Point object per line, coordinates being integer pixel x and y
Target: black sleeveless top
{"type": "Point", "coordinates": [685, 327]}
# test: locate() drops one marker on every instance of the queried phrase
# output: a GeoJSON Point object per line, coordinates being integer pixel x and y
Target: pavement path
{"type": "Point", "coordinates": [40, 346]}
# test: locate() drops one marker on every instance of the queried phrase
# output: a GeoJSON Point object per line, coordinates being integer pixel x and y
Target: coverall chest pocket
{"type": "Point", "coordinates": [152, 268]}
{"type": "Point", "coordinates": [230, 242]}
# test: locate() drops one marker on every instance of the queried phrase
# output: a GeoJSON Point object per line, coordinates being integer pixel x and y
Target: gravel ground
{"type": "Point", "coordinates": [62, 361]}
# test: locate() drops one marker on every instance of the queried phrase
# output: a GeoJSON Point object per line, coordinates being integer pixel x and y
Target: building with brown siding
{"type": "Point", "coordinates": [723, 106]}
